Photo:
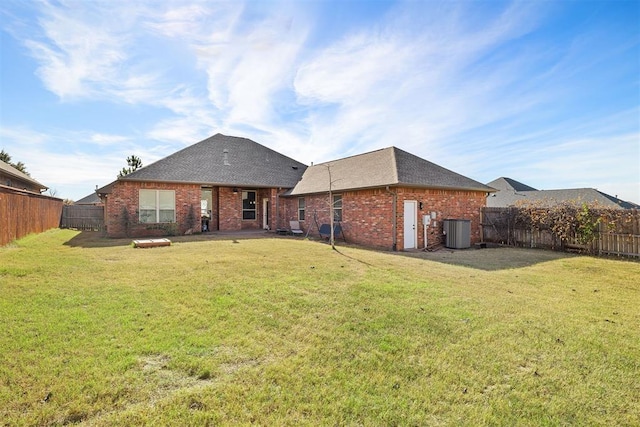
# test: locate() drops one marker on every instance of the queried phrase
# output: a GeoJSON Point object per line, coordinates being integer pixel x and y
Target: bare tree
{"type": "Point", "coordinates": [331, 203]}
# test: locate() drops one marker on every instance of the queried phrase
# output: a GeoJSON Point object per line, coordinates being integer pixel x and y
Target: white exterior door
{"type": "Point", "coordinates": [410, 223]}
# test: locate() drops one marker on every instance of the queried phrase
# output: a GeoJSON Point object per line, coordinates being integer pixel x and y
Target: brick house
{"type": "Point", "coordinates": [220, 183]}
{"type": "Point", "coordinates": [381, 198]}
{"type": "Point", "coordinates": [386, 198]}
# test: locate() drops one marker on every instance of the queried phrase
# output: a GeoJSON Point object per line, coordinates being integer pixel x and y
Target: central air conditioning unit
{"type": "Point", "coordinates": [457, 233]}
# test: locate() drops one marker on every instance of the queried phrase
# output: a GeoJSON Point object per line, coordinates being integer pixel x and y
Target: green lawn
{"type": "Point", "coordinates": [285, 331]}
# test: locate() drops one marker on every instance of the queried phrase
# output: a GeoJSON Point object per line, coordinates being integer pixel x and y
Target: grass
{"type": "Point", "coordinates": [283, 331]}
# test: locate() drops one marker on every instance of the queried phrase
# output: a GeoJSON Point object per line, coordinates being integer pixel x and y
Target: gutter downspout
{"type": "Point", "coordinates": [395, 220]}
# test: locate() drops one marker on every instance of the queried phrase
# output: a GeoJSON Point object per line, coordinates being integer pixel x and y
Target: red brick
{"type": "Point", "coordinates": [367, 215]}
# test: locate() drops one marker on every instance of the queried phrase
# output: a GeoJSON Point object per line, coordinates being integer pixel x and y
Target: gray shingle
{"type": "Point", "coordinates": [548, 198]}
{"type": "Point", "coordinates": [415, 171]}
{"type": "Point", "coordinates": [224, 160]}
{"type": "Point", "coordinates": [504, 183]}
{"type": "Point", "coordinates": [386, 167]}
{"type": "Point", "coordinates": [91, 199]}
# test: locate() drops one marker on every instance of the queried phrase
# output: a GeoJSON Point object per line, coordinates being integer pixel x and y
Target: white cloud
{"type": "Point", "coordinates": [78, 52]}
{"type": "Point", "coordinates": [60, 159]}
{"type": "Point", "coordinates": [249, 67]}
{"type": "Point", "coordinates": [411, 83]}
{"type": "Point", "coordinates": [108, 140]}
{"type": "Point", "coordinates": [440, 79]}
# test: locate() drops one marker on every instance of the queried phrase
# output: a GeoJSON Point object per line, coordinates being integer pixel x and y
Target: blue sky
{"type": "Point", "coordinates": [544, 92]}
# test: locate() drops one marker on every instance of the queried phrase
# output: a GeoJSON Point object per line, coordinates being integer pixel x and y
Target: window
{"type": "Point", "coordinates": [157, 206]}
{"type": "Point", "coordinates": [249, 205]}
{"type": "Point", "coordinates": [301, 207]}
{"type": "Point", "coordinates": [337, 207]}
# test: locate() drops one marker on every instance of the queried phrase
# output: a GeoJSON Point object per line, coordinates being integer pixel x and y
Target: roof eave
{"type": "Point", "coordinates": [26, 178]}
{"type": "Point", "coordinates": [396, 185]}
{"type": "Point", "coordinates": [208, 184]}
{"type": "Point", "coordinates": [25, 191]}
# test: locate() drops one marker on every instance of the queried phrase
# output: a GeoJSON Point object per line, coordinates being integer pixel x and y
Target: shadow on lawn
{"type": "Point", "coordinates": [97, 239]}
{"type": "Point", "coordinates": [490, 259]}
{"type": "Point", "coordinates": [495, 258]}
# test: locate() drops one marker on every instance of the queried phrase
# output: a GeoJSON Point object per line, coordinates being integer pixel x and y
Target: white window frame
{"type": "Point", "coordinates": [156, 206]}
{"type": "Point", "coordinates": [302, 206]}
{"type": "Point", "coordinates": [245, 194]}
{"type": "Point", "coordinates": [337, 207]}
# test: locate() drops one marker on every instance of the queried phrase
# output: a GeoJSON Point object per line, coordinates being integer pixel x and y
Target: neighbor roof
{"type": "Point", "coordinates": [504, 183]}
{"type": "Point", "coordinates": [7, 169]}
{"type": "Point", "coordinates": [386, 167]}
{"type": "Point", "coordinates": [511, 196]}
{"type": "Point", "coordinates": [224, 160]}
{"type": "Point", "coordinates": [91, 199]}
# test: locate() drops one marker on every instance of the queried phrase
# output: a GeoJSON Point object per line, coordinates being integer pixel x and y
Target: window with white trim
{"type": "Point", "coordinates": [301, 208]}
{"type": "Point", "coordinates": [156, 206]}
{"type": "Point", "coordinates": [248, 205]}
{"type": "Point", "coordinates": [337, 207]}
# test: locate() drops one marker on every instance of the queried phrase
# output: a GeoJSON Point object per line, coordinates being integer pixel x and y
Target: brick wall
{"type": "Point", "coordinates": [447, 204]}
{"type": "Point", "coordinates": [230, 209]}
{"type": "Point", "coordinates": [226, 209]}
{"type": "Point", "coordinates": [122, 209]}
{"type": "Point", "coordinates": [367, 215]}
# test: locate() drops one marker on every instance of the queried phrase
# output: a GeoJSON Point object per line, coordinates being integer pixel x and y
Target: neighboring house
{"type": "Point", "coordinates": [220, 183]}
{"type": "Point", "coordinates": [387, 198]}
{"type": "Point", "coordinates": [512, 193]}
{"type": "Point", "coordinates": [91, 199]}
{"type": "Point", "coordinates": [12, 177]}
{"type": "Point", "coordinates": [381, 198]}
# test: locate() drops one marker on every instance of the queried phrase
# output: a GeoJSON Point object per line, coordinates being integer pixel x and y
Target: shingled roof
{"type": "Point", "coordinates": [386, 167]}
{"type": "Point", "coordinates": [224, 161]}
{"type": "Point", "coordinates": [11, 172]}
{"type": "Point", "coordinates": [504, 183]}
{"type": "Point", "coordinates": [513, 193]}
{"type": "Point", "coordinates": [91, 199]}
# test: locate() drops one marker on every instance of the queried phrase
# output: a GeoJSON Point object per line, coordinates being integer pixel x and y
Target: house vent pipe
{"type": "Point", "coordinates": [225, 154]}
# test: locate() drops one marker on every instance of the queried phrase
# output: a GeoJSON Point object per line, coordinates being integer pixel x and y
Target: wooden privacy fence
{"type": "Point", "coordinates": [499, 225]}
{"type": "Point", "coordinates": [23, 212]}
{"type": "Point", "coordinates": [83, 217]}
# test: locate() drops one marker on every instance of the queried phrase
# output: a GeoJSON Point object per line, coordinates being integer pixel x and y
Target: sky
{"type": "Point", "coordinates": [543, 92]}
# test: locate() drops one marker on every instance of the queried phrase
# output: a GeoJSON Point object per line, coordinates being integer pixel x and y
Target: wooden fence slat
{"type": "Point", "coordinates": [624, 240]}
{"type": "Point", "coordinates": [83, 217]}
{"type": "Point", "coordinates": [23, 212]}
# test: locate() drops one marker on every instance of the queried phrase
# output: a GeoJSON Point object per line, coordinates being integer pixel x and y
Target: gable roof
{"type": "Point", "coordinates": [225, 161]}
{"type": "Point", "coordinates": [512, 196]}
{"type": "Point", "coordinates": [91, 199]}
{"type": "Point", "coordinates": [386, 167]}
{"type": "Point", "coordinates": [504, 183]}
{"type": "Point", "coordinates": [8, 170]}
